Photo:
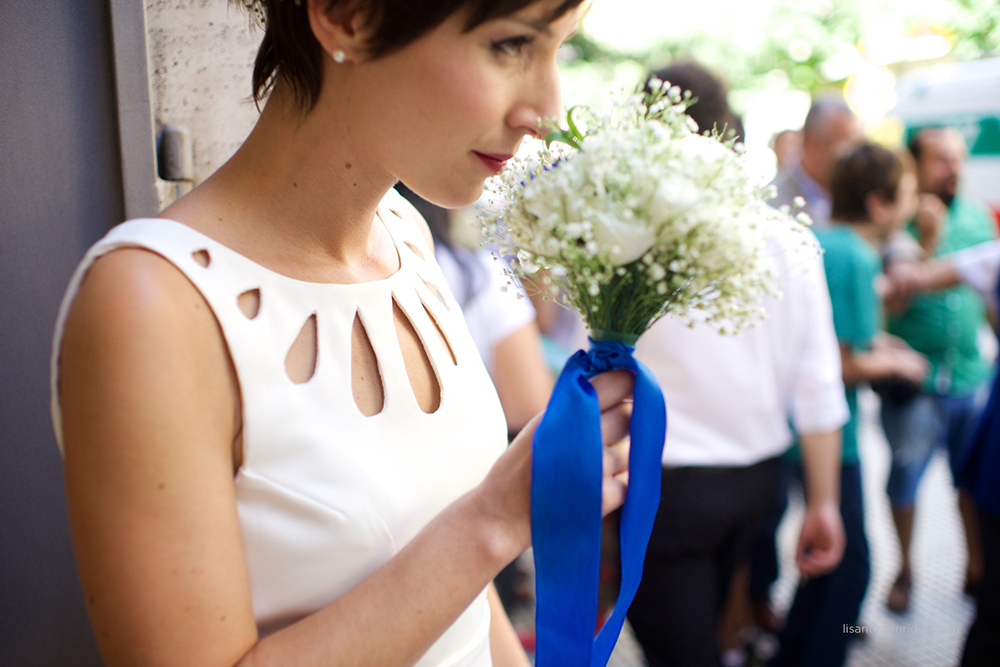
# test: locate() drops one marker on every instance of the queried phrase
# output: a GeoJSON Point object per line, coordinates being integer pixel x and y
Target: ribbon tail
{"type": "Point", "coordinates": [566, 494]}
{"type": "Point", "coordinates": [566, 519]}
{"type": "Point", "coordinates": [648, 433]}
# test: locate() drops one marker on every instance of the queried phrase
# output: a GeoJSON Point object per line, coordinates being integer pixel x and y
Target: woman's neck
{"type": "Point", "coordinates": [298, 195]}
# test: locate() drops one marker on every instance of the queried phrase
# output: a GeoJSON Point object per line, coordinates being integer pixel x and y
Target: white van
{"type": "Point", "coordinates": [965, 96]}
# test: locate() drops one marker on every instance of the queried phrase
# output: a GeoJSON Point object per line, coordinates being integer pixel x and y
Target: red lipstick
{"type": "Point", "coordinates": [493, 161]}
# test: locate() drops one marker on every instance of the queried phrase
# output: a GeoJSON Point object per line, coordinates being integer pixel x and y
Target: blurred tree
{"type": "Point", "coordinates": [977, 28]}
{"type": "Point", "coordinates": [810, 45]}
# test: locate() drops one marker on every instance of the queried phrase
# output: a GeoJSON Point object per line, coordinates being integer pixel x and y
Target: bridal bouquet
{"type": "Point", "coordinates": [631, 215]}
{"type": "Point", "coordinates": [625, 216]}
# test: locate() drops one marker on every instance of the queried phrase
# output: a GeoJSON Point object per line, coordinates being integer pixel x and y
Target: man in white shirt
{"type": "Point", "coordinates": [730, 400]}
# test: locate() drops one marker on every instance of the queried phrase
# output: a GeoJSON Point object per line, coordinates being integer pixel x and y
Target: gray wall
{"type": "Point", "coordinates": [60, 189]}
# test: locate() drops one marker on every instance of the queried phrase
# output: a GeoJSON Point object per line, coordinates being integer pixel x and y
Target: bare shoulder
{"type": "Point", "coordinates": [132, 308]}
{"type": "Point", "coordinates": [126, 286]}
{"type": "Point", "coordinates": [138, 328]}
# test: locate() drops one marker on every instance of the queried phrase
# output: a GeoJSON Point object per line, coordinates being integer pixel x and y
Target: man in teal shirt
{"type": "Point", "coordinates": [943, 326]}
{"type": "Point", "coordinates": [872, 196]}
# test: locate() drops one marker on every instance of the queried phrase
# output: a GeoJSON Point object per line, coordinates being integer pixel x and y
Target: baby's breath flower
{"type": "Point", "coordinates": [641, 216]}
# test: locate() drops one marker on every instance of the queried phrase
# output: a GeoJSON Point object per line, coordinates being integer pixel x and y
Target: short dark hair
{"type": "Point", "coordinates": [290, 51]}
{"type": "Point", "coordinates": [918, 141]}
{"type": "Point", "coordinates": [711, 109]}
{"type": "Point", "coordinates": [868, 169]}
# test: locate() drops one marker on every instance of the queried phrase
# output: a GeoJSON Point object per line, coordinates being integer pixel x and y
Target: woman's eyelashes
{"type": "Point", "coordinates": [511, 46]}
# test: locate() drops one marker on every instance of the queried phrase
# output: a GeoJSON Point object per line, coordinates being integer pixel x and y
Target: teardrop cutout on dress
{"type": "Point", "coordinates": [202, 258]}
{"type": "Point", "coordinates": [416, 250]}
{"type": "Point", "coordinates": [300, 362]}
{"type": "Point", "coordinates": [437, 292]}
{"type": "Point", "coordinates": [440, 331]}
{"type": "Point", "coordinates": [249, 303]}
{"type": "Point", "coordinates": [423, 378]}
{"type": "Point", "coordinates": [366, 376]}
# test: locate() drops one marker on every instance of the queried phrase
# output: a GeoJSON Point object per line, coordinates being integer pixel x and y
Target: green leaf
{"type": "Point", "coordinates": [563, 136]}
{"type": "Point", "coordinates": [572, 136]}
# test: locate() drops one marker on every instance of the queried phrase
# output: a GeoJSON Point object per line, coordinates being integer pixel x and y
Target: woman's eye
{"type": "Point", "coordinates": [511, 46]}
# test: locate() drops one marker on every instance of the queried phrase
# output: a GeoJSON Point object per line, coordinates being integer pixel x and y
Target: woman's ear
{"type": "Point", "coordinates": [339, 27]}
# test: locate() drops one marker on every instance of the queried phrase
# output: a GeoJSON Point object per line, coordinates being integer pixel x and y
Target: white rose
{"type": "Point", "coordinates": [674, 196]}
{"type": "Point", "coordinates": [705, 148]}
{"type": "Point", "coordinates": [625, 240]}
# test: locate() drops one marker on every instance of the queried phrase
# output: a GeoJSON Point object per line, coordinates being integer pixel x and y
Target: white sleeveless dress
{"type": "Point", "coordinates": [325, 494]}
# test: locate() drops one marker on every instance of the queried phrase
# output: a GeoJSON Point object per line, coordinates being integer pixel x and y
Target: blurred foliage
{"type": "Point", "coordinates": [803, 41]}
{"type": "Point", "coordinates": [977, 26]}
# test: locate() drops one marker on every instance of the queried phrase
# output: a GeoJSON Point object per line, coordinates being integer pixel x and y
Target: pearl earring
{"type": "Point", "coordinates": [338, 56]}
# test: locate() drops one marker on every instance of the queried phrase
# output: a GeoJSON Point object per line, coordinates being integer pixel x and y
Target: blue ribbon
{"type": "Point", "coordinates": [566, 480]}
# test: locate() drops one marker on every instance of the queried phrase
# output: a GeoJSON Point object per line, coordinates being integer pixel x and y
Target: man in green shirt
{"type": "Point", "coordinates": [943, 326]}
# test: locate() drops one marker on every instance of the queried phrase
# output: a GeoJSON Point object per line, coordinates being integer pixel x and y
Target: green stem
{"type": "Point", "coordinates": [616, 336]}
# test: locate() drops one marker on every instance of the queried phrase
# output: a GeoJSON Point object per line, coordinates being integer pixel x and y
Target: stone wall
{"type": "Point", "coordinates": [201, 56]}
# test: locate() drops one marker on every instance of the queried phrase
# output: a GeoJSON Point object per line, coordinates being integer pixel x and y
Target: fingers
{"type": "Point", "coordinates": [614, 429]}
{"type": "Point", "coordinates": [815, 556]}
{"type": "Point", "coordinates": [816, 562]}
{"type": "Point", "coordinates": [613, 387]}
{"type": "Point", "coordinates": [821, 541]}
{"type": "Point", "coordinates": [615, 423]}
{"type": "Point", "coordinates": [613, 493]}
{"type": "Point", "coordinates": [616, 458]}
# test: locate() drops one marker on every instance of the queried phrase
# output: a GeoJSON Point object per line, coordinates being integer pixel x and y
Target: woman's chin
{"type": "Point", "coordinates": [451, 197]}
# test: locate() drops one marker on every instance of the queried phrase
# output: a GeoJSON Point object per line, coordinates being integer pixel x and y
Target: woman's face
{"type": "Point", "coordinates": [450, 108]}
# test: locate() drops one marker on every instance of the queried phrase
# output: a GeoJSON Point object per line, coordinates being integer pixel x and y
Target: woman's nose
{"type": "Point", "coordinates": [540, 99]}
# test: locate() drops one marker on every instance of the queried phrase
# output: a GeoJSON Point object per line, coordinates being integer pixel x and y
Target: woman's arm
{"type": "Point", "coordinates": [150, 413]}
{"type": "Point", "coordinates": [150, 416]}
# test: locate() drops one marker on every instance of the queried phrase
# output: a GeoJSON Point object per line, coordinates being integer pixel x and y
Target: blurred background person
{"type": "Point", "coordinates": [873, 194]}
{"type": "Point", "coordinates": [711, 110]}
{"type": "Point", "coordinates": [787, 147]}
{"type": "Point", "coordinates": [830, 130]}
{"type": "Point", "coordinates": [944, 326]}
{"type": "Point", "coordinates": [730, 399]}
{"type": "Point", "coordinates": [979, 463]}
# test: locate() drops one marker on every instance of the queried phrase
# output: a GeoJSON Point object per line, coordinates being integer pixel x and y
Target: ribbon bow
{"type": "Point", "coordinates": [566, 482]}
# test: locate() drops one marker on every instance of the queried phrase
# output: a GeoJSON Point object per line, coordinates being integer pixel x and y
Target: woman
{"type": "Point", "coordinates": [279, 447]}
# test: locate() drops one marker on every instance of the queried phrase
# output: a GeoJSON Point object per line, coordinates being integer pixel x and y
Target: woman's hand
{"type": "Point", "coordinates": [504, 497]}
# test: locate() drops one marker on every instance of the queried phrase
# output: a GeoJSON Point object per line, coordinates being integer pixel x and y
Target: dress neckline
{"type": "Point", "coordinates": [402, 257]}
